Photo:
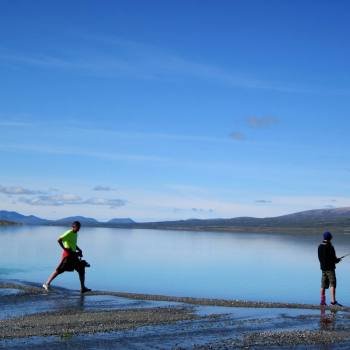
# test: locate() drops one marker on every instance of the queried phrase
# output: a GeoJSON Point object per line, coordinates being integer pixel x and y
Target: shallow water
{"type": "Point", "coordinates": [220, 324]}
{"type": "Point", "coordinates": [267, 267]}
{"type": "Point", "coordinates": [215, 325]}
{"type": "Point", "coordinates": [59, 300]}
{"type": "Point", "coordinates": [9, 291]}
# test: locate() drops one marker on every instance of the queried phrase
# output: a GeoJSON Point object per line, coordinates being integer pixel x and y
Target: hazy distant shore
{"type": "Point", "coordinates": [310, 221]}
{"type": "Point", "coordinates": [238, 229]}
{"type": "Point", "coordinates": [243, 229]}
{"type": "Point", "coordinates": [235, 229]}
{"type": "Point", "coordinates": [4, 222]}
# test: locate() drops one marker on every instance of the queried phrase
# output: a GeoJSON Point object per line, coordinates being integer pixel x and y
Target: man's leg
{"type": "Point", "coordinates": [51, 278]}
{"type": "Point", "coordinates": [333, 286]}
{"type": "Point", "coordinates": [323, 296]}
{"type": "Point", "coordinates": [81, 272]}
{"type": "Point", "coordinates": [59, 269]}
{"type": "Point", "coordinates": [324, 286]}
{"type": "Point", "coordinates": [332, 291]}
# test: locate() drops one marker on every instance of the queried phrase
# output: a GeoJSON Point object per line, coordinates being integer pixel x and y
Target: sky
{"type": "Point", "coordinates": [166, 110]}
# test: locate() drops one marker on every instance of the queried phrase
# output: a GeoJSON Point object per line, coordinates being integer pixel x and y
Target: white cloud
{"type": "Point", "coordinates": [261, 122]}
{"type": "Point", "coordinates": [112, 203]}
{"type": "Point", "coordinates": [150, 135]}
{"type": "Point", "coordinates": [103, 188]}
{"type": "Point", "coordinates": [52, 200]}
{"type": "Point", "coordinates": [71, 199]}
{"type": "Point", "coordinates": [14, 124]}
{"type": "Point", "coordinates": [238, 136]}
{"type": "Point", "coordinates": [155, 205]}
{"type": "Point", "coordinates": [17, 190]}
{"type": "Point", "coordinates": [92, 154]}
{"type": "Point", "coordinates": [201, 210]}
{"type": "Point", "coordinates": [116, 57]}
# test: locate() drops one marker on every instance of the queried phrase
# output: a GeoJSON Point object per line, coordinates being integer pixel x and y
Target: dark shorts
{"type": "Point", "coordinates": [70, 263]}
{"type": "Point", "coordinates": [328, 279]}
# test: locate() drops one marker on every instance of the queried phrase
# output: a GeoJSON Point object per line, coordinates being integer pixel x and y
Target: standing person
{"type": "Point", "coordinates": [70, 258]}
{"type": "Point", "coordinates": [328, 259]}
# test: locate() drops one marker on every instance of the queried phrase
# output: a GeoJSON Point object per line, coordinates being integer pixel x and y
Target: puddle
{"type": "Point", "coordinates": [106, 302]}
{"type": "Point", "coordinates": [251, 313]}
{"type": "Point", "coordinates": [17, 303]}
{"type": "Point", "coordinates": [9, 291]}
{"type": "Point", "coordinates": [215, 323]}
{"type": "Point", "coordinates": [179, 335]}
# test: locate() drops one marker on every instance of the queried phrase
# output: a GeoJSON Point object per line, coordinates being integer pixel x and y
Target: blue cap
{"type": "Point", "coordinates": [327, 236]}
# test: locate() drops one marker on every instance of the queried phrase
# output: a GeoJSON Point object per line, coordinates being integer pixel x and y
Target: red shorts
{"type": "Point", "coordinates": [69, 262]}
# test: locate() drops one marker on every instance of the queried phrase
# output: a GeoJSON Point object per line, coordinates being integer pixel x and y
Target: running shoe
{"type": "Point", "coordinates": [336, 304]}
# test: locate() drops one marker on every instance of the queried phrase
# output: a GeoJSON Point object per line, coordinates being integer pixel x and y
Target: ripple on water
{"type": "Point", "coordinates": [9, 291]}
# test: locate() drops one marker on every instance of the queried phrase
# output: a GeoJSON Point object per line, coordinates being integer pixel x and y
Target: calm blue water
{"type": "Point", "coordinates": [250, 266]}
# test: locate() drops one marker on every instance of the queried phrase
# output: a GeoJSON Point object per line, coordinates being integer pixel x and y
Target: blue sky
{"type": "Point", "coordinates": [160, 110]}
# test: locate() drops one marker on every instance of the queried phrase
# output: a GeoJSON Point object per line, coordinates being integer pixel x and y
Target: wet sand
{"type": "Point", "coordinates": [33, 318]}
{"type": "Point", "coordinates": [193, 301]}
{"type": "Point", "coordinates": [77, 322]}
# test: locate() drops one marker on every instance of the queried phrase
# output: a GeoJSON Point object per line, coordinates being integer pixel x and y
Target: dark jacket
{"type": "Point", "coordinates": [326, 256]}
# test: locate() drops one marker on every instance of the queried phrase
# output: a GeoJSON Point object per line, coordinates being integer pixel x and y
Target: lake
{"type": "Point", "coordinates": [248, 266]}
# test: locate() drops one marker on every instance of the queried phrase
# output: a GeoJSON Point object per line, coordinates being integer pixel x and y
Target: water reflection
{"type": "Point", "coordinates": [327, 320]}
{"type": "Point", "coordinates": [250, 266]}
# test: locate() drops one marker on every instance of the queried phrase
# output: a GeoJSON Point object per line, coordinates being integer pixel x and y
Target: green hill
{"type": "Point", "coordinates": [5, 222]}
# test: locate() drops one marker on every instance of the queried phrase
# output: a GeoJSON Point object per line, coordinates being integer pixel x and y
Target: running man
{"type": "Point", "coordinates": [328, 259]}
{"type": "Point", "coordinates": [70, 258]}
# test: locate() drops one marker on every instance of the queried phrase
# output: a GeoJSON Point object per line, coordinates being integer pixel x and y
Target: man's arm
{"type": "Point", "coordinates": [60, 242]}
{"type": "Point", "coordinates": [336, 260]}
{"type": "Point", "coordinates": [80, 252]}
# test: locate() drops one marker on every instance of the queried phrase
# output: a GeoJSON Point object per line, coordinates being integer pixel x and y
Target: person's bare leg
{"type": "Point", "coordinates": [323, 296]}
{"type": "Point", "coordinates": [81, 273]}
{"type": "Point", "coordinates": [52, 277]}
{"type": "Point", "coordinates": [82, 278]}
{"type": "Point", "coordinates": [332, 291]}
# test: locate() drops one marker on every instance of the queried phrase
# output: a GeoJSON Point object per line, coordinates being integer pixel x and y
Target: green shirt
{"type": "Point", "coordinates": [69, 240]}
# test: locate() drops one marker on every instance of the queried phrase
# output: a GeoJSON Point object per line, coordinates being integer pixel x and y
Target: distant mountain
{"type": "Point", "coordinates": [22, 219]}
{"type": "Point", "coordinates": [83, 220]}
{"type": "Point", "coordinates": [12, 216]}
{"type": "Point", "coordinates": [93, 222]}
{"type": "Point", "coordinates": [306, 221]}
{"type": "Point", "coordinates": [5, 222]}
{"type": "Point", "coordinates": [315, 220]}
{"type": "Point", "coordinates": [329, 213]}
{"type": "Point", "coordinates": [121, 221]}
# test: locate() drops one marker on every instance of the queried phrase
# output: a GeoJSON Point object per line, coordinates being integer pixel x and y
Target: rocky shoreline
{"type": "Point", "coordinates": [104, 320]}
{"type": "Point", "coordinates": [69, 323]}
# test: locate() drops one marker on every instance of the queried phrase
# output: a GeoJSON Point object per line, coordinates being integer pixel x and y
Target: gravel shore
{"type": "Point", "coordinates": [73, 322]}
{"type": "Point", "coordinates": [284, 340]}
{"type": "Point", "coordinates": [188, 300]}
{"type": "Point", "coordinates": [107, 320]}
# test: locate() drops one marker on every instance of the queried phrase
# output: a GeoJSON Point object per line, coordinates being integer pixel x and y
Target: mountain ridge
{"type": "Point", "coordinates": [14, 216]}
{"type": "Point", "coordinates": [308, 221]}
